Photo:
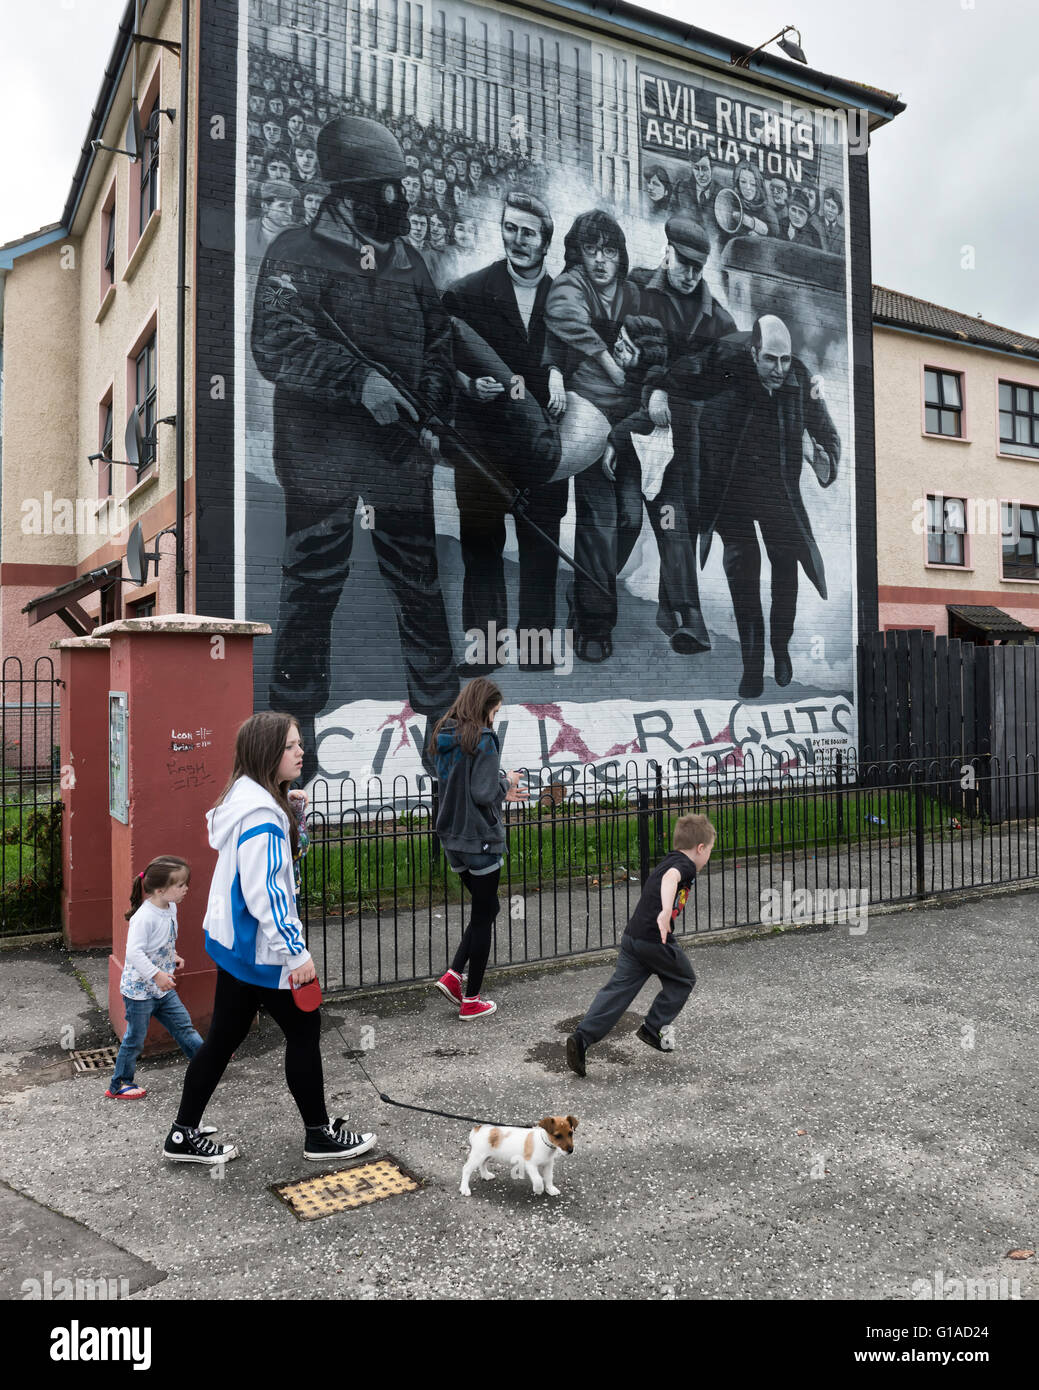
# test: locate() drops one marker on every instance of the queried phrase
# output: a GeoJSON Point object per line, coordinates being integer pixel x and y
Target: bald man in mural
{"type": "Point", "coordinates": [759, 404]}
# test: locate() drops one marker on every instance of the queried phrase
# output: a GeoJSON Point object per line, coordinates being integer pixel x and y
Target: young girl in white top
{"type": "Point", "coordinates": [148, 979]}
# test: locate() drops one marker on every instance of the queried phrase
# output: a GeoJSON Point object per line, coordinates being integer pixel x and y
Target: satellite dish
{"type": "Point", "coordinates": [728, 210]}
{"type": "Point", "coordinates": [134, 140]}
{"type": "Point", "coordinates": [136, 556]}
{"type": "Point", "coordinates": [133, 440]}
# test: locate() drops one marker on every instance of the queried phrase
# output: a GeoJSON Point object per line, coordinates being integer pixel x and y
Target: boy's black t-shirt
{"type": "Point", "coordinates": [643, 924]}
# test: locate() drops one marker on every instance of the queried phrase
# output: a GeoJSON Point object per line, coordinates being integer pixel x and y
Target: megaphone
{"type": "Point", "coordinates": [731, 215]}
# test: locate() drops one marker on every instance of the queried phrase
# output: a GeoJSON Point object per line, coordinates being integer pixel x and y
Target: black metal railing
{"type": "Point", "coordinates": [794, 843]}
{"type": "Point", "coordinates": [30, 795]}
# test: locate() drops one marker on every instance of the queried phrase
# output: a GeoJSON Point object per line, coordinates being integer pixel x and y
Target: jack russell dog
{"type": "Point", "coordinates": [536, 1149]}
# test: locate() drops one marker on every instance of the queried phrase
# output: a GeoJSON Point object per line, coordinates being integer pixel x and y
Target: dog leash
{"type": "Point", "coordinates": [425, 1110]}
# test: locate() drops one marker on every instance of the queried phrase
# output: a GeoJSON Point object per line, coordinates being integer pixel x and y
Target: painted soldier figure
{"type": "Point", "coordinates": [758, 404]}
{"type": "Point", "coordinates": [347, 288]}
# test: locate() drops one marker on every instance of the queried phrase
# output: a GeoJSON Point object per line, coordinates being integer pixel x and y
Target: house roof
{"type": "Point", "coordinates": [987, 619]}
{"type": "Point", "coordinates": [921, 316]}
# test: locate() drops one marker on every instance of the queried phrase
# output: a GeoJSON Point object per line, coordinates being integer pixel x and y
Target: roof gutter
{"type": "Point", "coordinates": [10, 253]}
{"type": "Point", "coordinates": [956, 340]}
{"type": "Point", "coordinates": [116, 66]}
{"type": "Point", "coordinates": [724, 52]}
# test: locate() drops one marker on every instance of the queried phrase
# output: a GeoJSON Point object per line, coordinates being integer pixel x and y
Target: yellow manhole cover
{"type": "Point", "coordinates": [356, 1186]}
{"type": "Point", "coordinates": [94, 1059]}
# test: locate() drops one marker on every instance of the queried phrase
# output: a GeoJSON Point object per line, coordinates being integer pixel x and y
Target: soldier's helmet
{"type": "Point", "coordinates": [355, 150]}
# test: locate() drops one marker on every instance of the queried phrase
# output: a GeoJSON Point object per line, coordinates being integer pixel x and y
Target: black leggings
{"type": "Point", "coordinates": [234, 1009]}
{"type": "Point", "coordinates": [475, 946]}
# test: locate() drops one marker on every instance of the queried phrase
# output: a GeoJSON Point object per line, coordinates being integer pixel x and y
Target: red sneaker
{"type": "Point", "coordinates": [476, 1008]}
{"type": "Point", "coordinates": [450, 985]}
{"type": "Point", "coordinates": [127, 1093]}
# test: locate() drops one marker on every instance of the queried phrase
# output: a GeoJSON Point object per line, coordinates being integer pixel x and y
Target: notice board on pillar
{"type": "Point", "coordinates": [118, 797]}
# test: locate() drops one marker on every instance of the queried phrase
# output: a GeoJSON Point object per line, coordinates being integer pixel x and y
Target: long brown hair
{"type": "Point", "coordinates": [154, 878]}
{"type": "Point", "coordinates": [470, 713]}
{"type": "Point", "coordinates": [258, 750]}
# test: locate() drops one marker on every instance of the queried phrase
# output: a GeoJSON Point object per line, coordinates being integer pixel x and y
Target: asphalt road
{"type": "Point", "coordinates": [845, 1115]}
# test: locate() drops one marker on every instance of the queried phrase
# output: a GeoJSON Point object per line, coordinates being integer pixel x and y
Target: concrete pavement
{"type": "Point", "coordinates": [844, 1116]}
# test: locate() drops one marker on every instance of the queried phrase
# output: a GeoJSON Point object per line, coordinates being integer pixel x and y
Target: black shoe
{"type": "Point", "coordinates": [332, 1142]}
{"type": "Point", "coordinates": [784, 667]}
{"type": "Point", "coordinates": [184, 1145]}
{"type": "Point", "coordinates": [645, 1034]}
{"type": "Point", "coordinates": [575, 1053]}
{"type": "Point", "coordinates": [593, 649]}
{"type": "Point", "coordinates": [664, 1041]}
{"type": "Point", "coordinates": [690, 636]}
{"type": "Point", "coordinates": [750, 687]}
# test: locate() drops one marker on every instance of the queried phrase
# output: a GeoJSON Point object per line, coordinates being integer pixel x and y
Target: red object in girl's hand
{"type": "Point", "coordinates": [307, 997]}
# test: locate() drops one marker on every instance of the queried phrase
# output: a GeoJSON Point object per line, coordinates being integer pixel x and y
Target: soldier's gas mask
{"type": "Point", "coordinates": [379, 209]}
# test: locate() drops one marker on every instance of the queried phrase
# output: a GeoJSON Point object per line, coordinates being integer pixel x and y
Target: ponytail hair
{"type": "Point", "coordinates": [470, 713]}
{"type": "Point", "coordinates": [154, 878]}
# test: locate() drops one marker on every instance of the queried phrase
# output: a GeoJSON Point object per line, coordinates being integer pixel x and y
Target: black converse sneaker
{"type": "Point", "coordinates": [184, 1145]}
{"type": "Point", "coordinates": [333, 1141]}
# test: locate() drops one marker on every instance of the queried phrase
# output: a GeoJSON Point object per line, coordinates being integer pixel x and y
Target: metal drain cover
{"type": "Point", "coordinates": [94, 1058]}
{"type": "Point", "coordinates": [357, 1186]}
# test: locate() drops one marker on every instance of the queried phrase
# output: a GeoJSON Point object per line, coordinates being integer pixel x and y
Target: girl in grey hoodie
{"type": "Point", "coordinates": [471, 829]}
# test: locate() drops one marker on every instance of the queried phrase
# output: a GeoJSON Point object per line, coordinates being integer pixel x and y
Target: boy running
{"type": "Point", "coordinates": [648, 948]}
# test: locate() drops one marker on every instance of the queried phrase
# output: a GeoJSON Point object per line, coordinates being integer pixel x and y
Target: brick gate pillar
{"type": "Point", "coordinates": [86, 836]}
{"type": "Point", "coordinates": [180, 686]}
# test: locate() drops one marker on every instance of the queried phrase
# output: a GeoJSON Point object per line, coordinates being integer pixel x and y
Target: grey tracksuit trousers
{"type": "Point", "coordinates": [637, 961]}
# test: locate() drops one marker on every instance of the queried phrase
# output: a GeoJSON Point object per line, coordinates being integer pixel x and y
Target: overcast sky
{"type": "Point", "coordinates": [956, 169]}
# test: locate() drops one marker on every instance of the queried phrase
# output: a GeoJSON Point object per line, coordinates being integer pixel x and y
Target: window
{"type": "Point", "coordinates": [144, 609]}
{"type": "Point", "coordinates": [104, 470]}
{"type": "Point", "coordinates": [946, 527]}
{"type": "Point", "coordinates": [1018, 419]}
{"type": "Point", "coordinates": [1020, 541]}
{"type": "Point", "coordinates": [943, 402]}
{"type": "Point", "coordinates": [108, 243]}
{"type": "Point", "coordinates": [149, 199]}
{"type": "Point", "coordinates": [146, 394]}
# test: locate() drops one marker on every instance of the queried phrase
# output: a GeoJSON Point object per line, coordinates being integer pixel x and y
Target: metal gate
{"type": "Point", "coordinates": [30, 788]}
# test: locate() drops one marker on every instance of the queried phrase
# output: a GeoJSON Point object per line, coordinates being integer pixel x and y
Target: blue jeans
{"type": "Point", "coordinates": [173, 1016]}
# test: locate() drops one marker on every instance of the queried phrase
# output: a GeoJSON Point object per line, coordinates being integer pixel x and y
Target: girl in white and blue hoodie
{"type": "Point", "coordinates": [253, 933]}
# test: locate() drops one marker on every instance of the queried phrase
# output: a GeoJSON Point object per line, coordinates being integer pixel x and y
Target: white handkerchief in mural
{"type": "Point", "coordinates": [655, 452]}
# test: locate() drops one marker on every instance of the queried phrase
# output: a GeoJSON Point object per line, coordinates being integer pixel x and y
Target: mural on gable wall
{"type": "Point", "coordinates": [547, 376]}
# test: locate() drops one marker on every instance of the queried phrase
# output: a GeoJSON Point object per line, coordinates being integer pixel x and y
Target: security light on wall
{"type": "Point", "coordinates": [789, 47]}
